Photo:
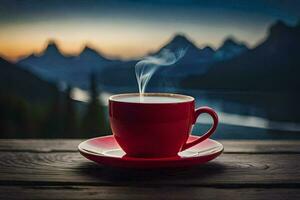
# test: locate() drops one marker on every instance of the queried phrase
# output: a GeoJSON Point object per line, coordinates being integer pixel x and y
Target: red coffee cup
{"type": "Point", "coordinates": [155, 127]}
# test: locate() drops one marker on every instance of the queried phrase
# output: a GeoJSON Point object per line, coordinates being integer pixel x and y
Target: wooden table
{"type": "Point", "coordinates": [53, 169]}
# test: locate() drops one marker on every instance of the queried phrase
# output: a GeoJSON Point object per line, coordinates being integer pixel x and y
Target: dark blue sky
{"type": "Point", "coordinates": [22, 10]}
{"type": "Point", "coordinates": [141, 22]}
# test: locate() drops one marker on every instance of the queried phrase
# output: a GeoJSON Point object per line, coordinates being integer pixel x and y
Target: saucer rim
{"type": "Point", "coordinates": [153, 159]}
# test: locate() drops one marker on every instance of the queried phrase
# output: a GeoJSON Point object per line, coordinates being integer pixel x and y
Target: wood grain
{"type": "Point", "coordinates": [53, 169]}
{"type": "Point", "coordinates": [231, 146]}
{"type": "Point", "coordinates": [108, 192]}
{"type": "Point", "coordinates": [229, 170]}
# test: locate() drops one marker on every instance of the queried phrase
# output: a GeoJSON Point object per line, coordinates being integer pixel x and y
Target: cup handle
{"type": "Point", "coordinates": [213, 128]}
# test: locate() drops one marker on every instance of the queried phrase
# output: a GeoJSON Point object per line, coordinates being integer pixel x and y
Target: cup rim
{"type": "Point", "coordinates": [189, 98]}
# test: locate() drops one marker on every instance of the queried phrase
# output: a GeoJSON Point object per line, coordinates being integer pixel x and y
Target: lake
{"type": "Point", "coordinates": [242, 115]}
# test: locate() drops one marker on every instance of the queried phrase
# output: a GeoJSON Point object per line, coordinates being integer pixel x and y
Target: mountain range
{"type": "Point", "coordinates": [272, 65]}
{"type": "Point", "coordinates": [195, 61]}
{"type": "Point", "coordinates": [52, 65]}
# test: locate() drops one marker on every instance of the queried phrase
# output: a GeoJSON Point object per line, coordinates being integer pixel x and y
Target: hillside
{"type": "Point", "coordinates": [18, 82]}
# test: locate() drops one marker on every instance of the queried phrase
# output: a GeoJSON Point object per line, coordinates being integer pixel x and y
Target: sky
{"type": "Point", "coordinates": [131, 28]}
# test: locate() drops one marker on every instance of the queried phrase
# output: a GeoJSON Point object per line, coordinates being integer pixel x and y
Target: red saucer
{"type": "Point", "coordinates": [106, 151]}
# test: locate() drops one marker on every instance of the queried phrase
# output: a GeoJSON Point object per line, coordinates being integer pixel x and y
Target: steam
{"type": "Point", "coordinates": [145, 68]}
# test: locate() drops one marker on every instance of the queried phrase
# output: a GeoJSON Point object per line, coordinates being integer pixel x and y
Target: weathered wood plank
{"type": "Point", "coordinates": [39, 145]}
{"type": "Point", "coordinates": [258, 146]}
{"type": "Point", "coordinates": [231, 146]}
{"type": "Point", "coordinates": [234, 170]}
{"type": "Point", "coordinates": [107, 192]}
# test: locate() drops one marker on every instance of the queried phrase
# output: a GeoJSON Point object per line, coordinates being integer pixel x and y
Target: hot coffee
{"type": "Point", "coordinates": [152, 98]}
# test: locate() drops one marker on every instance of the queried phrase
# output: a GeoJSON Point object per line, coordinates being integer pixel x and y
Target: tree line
{"type": "Point", "coordinates": [60, 117]}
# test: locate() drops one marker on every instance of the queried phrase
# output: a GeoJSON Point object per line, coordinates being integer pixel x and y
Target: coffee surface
{"type": "Point", "coordinates": [152, 99]}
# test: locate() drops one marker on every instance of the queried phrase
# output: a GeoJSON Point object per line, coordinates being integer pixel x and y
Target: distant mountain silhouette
{"type": "Point", "coordinates": [193, 53]}
{"type": "Point", "coordinates": [272, 65]}
{"type": "Point", "coordinates": [229, 49]}
{"type": "Point", "coordinates": [18, 82]}
{"type": "Point", "coordinates": [195, 61]}
{"type": "Point", "coordinates": [90, 54]}
{"type": "Point", "coordinates": [52, 50]}
{"type": "Point", "coordinates": [53, 66]}
{"type": "Point", "coordinates": [179, 41]}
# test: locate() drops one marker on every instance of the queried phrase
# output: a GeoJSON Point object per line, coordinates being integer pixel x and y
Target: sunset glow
{"type": "Point", "coordinates": [113, 41]}
{"type": "Point", "coordinates": [130, 30]}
